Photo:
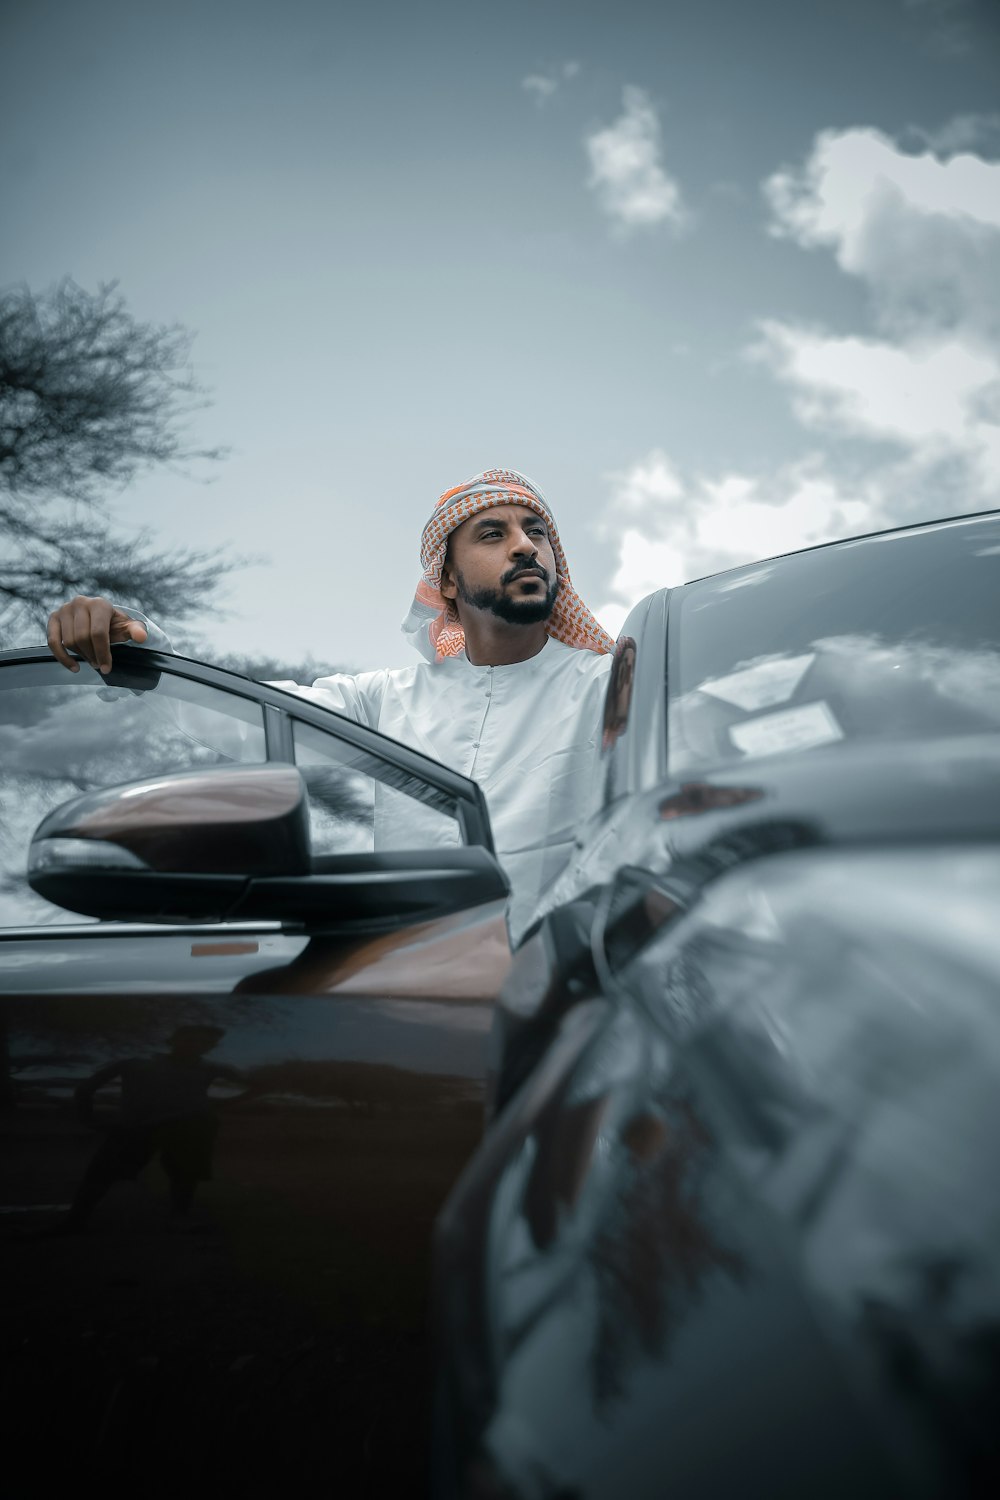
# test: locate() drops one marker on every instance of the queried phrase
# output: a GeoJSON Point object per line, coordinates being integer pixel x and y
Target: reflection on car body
{"type": "Point", "coordinates": [734, 1225]}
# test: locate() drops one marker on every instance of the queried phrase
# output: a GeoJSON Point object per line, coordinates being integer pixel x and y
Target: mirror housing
{"type": "Point", "coordinates": [175, 847]}
{"type": "Point", "coordinates": [231, 843]}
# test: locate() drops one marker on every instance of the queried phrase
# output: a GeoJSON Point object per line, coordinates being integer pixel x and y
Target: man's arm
{"type": "Point", "coordinates": [92, 626]}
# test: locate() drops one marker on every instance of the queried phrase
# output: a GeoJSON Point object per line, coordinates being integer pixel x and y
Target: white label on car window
{"type": "Point", "coordinates": [761, 686]}
{"type": "Point", "coordinates": [792, 729]}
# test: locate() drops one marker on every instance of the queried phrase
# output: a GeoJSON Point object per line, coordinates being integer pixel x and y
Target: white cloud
{"type": "Point", "coordinates": [626, 170]}
{"type": "Point", "coordinates": [544, 85]}
{"type": "Point", "coordinates": [939, 398]}
{"type": "Point", "coordinates": [961, 133]}
{"type": "Point", "coordinates": [688, 529]}
{"type": "Point", "coordinates": [652, 481]}
{"type": "Point", "coordinates": [836, 199]}
{"type": "Point", "coordinates": [903, 419]}
{"type": "Point", "coordinates": [923, 231]}
{"type": "Point", "coordinates": [541, 85]}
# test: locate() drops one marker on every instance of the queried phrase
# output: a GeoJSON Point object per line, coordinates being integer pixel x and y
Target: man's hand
{"type": "Point", "coordinates": [91, 627]}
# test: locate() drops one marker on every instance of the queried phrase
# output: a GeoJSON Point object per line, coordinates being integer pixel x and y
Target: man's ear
{"type": "Point", "coordinates": [449, 588]}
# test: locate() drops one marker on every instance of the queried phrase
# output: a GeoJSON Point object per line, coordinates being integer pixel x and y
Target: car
{"type": "Point", "coordinates": [734, 1225]}
{"type": "Point", "coordinates": [242, 1059]}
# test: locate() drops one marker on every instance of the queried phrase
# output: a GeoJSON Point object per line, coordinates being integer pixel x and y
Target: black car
{"type": "Point", "coordinates": [734, 1228]}
{"type": "Point", "coordinates": [236, 1085]}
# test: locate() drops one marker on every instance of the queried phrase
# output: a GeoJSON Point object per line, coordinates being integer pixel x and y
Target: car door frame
{"type": "Point", "coordinates": [281, 707]}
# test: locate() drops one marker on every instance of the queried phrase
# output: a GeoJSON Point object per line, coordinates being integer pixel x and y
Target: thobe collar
{"type": "Point", "coordinates": [526, 668]}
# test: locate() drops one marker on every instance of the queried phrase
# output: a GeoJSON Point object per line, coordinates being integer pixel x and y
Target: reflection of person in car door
{"type": "Point", "coordinates": [165, 1111]}
{"type": "Point", "coordinates": [512, 685]}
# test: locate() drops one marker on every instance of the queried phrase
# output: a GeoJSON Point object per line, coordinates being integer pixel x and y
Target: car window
{"type": "Point", "coordinates": [353, 812]}
{"type": "Point", "coordinates": [888, 637]}
{"type": "Point", "coordinates": [62, 734]}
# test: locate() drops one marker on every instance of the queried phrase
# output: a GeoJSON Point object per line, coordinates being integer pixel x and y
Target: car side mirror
{"type": "Point", "coordinates": [231, 843]}
{"type": "Point", "coordinates": [173, 848]}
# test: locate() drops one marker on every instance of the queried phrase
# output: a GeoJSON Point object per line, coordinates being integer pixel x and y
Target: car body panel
{"type": "Point", "coordinates": [734, 1225]}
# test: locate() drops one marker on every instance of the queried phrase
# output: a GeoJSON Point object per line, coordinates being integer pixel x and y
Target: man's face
{"type": "Point", "coordinates": [502, 561]}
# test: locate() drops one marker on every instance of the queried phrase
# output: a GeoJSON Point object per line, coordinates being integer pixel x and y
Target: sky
{"type": "Point", "coordinates": [722, 279]}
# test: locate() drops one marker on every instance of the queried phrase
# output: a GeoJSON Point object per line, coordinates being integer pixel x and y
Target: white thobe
{"type": "Point", "coordinates": [528, 733]}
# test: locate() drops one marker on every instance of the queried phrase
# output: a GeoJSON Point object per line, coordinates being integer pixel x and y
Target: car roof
{"type": "Point", "coordinates": [939, 524]}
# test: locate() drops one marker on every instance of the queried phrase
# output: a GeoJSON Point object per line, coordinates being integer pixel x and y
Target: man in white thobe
{"type": "Point", "coordinates": [511, 689]}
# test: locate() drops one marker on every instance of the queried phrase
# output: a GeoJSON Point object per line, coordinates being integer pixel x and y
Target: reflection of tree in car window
{"type": "Point", "coordinates": [57, 741]}
{"type": "Point", "coordinates": [658, 1246]}
{"type": "Point", "coordinates": [340, 810]}
{"type": "Point", "coordinates": [352, 812]}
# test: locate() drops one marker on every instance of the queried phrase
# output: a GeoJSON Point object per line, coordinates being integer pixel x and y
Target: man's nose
{"type": "Point", "coordinates": [522, 545]}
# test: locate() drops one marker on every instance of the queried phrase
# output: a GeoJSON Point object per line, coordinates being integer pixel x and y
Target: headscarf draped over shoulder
{"type": "Point", "coordinates": [432, 624]}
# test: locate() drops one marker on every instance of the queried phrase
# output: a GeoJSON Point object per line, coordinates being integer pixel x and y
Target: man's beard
{"type": "Point", "coordinates": [525, 611]}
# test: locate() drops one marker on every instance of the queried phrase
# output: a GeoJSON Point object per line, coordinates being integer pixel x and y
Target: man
{"type": "Point", "coordinates": [512, 687]}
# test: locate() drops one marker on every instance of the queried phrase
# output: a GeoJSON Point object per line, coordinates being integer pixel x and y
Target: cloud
{"type": "Point", "coordinates": [922, 230]}
{"type": "Point", "coordinates": [540, 85]}
{"type": "Point", "coordinates": [902, 419]}
{"type": "Point", "coordinates": [961, 133]}
{"type": "Point", "coordinates": [708, 523]}
{"type": "Point", "coordinates": [939, 399]}
{"type": "Point", "coordinates": [854, 178]}
{"type": "Point", "coordinates": [626, 171]}
{"type": "Point", "coordinates": [544, 85]}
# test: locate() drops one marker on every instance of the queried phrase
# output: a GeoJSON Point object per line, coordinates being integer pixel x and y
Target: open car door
{"type": "Point", "coordinates": [230, 1114]}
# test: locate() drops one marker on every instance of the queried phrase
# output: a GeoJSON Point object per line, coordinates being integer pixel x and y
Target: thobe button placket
{"type": "Point", "coordinates": [487, 694]}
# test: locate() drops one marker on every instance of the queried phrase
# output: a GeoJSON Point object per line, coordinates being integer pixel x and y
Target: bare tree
{"type": "Point", "coordinates": [89, 397]}
{"type": "Point", "coordinates": [277, 668]}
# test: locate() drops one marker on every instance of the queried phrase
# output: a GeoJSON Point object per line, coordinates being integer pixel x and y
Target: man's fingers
{"type": "Point", "coordinates": [89, 626]}
{"type": "Point", "coordinates": [83, 628]}
{"type": "Point", "coordinates": [125, 629]}
{"type": "Point", "coordinates": [55, 640]}
{"type": "Point", "coordinates": [83, 625]}
{"type": "Point", "coordinates": [100, 633]}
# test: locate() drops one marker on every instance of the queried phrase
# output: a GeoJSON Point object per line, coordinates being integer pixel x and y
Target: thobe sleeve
{"type": "Point", "coordinates": [357, 697]}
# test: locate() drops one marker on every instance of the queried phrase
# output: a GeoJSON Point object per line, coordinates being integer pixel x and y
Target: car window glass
{"type": "Point", "coordinates": [63, 734]}
{"type": "Point", "coordinates": [890, 637]}
{"type": "Point", "coordinates": [352, 811]}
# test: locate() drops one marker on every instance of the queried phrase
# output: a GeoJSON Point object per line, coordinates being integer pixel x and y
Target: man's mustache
{"type": "Point", "coordinates": [533, 570]}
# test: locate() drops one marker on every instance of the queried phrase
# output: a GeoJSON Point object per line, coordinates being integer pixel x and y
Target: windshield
{"type": "Point", "coordinates": [890, 637]}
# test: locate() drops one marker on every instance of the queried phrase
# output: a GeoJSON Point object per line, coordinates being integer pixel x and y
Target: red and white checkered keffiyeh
{"type": "Point", "coordinates": [432, 624]}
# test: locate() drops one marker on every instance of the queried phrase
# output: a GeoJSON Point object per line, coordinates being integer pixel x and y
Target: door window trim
{"type": "Point", "coordinates": [409, 769]}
